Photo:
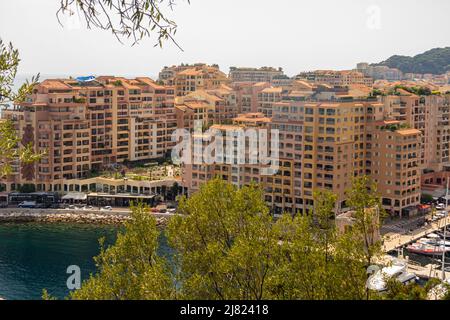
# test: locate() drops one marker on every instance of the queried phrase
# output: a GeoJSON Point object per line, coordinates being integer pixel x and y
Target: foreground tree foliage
{"type": "Point", "coordinates": [131, 269]}
{"type": "Point", "coordinates": [228, 246]}
{"type": "Point", "coordinates": [11, 151]}
{"type": "Point", "coordinates": [317, 262]}
{"type": "Point", "coordinates": [133, 19]}
{"type": "Point", "coordinates": [435, 289]}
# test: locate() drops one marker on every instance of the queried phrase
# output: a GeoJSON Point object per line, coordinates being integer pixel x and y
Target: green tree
{"type": "Point", "coordinates": [130, 269]}
{"type": "Point", "coordinates": [365, 202]}
{"type": "Point", "coordinates": [226, 243]}
{"type": "Point", "coordinates": [228, 246]}
{"type": "Point", "coordinates": [413, 291]}
{"type": "Point", "coordinates": [318, 262]}
{"type": "Point", "coordinates": [10, 146]}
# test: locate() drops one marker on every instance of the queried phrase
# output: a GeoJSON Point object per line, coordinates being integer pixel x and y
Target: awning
{"type": "Point", "coordinates": [75, 196]}
{"type": "Point", "coordinates": [121, 195]}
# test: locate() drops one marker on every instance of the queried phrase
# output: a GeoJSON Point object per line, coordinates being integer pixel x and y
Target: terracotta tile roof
{"type": "Point", "coordinates": [406, 132]}
{"type": "Point", "coordinates": [272, 90]}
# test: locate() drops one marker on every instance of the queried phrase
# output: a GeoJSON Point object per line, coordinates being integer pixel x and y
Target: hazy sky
{"type": "Point", "coordinates": [294, 34]}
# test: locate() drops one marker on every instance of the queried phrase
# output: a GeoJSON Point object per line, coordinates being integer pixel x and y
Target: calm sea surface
{"type": "Point", "coordinates": [34, 256]}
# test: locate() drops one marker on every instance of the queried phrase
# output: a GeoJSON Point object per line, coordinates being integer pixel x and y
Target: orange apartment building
{"type": "Point", "coordinates": [247, 95]}
{"type": "Point", "coordinates": [167, 74]}
{"type": "Point", "coordinates": [323, 144]}
{"type": "Point", "coordinates": [201, 77]}
{"type": "Point", "coordinates": [228, 168]}
{"type": "Point", "coordinates": [393, 156]}
{"type": "Point", "coordinates": [84, 126]}
{"type": "Point", "coordinates": [214, 106]}
{"type": "Point", "coordinates": [430, 115]}
{"type": "Point", "coordinates": [329, 132]}
{"type": "Point", "coordinates": [267, 99]}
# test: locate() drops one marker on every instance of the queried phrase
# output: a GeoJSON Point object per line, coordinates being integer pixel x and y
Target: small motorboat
{"type": "Point", "coordinates": [427, 249]}
{"type": "Point", "coordinates": [441, 234]}
{"type": "Point", "coordinates": [434, 241]}
{"type": "Point", "coordinates": [378, 280]}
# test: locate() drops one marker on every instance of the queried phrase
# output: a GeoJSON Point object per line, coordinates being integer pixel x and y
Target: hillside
{"type": "Point", "coordinates": [435, 61]}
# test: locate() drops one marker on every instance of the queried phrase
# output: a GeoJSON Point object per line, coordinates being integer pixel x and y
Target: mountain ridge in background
{"type": "Point", "coordinates": [434, 61]}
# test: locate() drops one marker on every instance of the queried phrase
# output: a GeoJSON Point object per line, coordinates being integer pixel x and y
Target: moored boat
{"type": "Point", "coordinates": [398, 270]}
{"type": "Point", "coordinates": [427, 249]}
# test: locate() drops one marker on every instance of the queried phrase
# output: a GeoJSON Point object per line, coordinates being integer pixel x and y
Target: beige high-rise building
{"type": "Point", "coordinates": [85, 126]}
{"type": "Point", "coordinates": [336, 78]}
{"type": "Point", "coordinates": [247, 95]}
{"type": "Point", "coordinates": [430, 115]}
{"type": "Point", "coordinates": [263, 74]}
{"type": "Point", "coordinates": [267, 98]}
{"type": "Point", "coordinates": [323, 145]}
{"type": "Point", "coordinates": [198, 78]}
{"type": "Point", "coordinates": [214, 106]}
{"type": "Point", "coordinates": [393, 158]}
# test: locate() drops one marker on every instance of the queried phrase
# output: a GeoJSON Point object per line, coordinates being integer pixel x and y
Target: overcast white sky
{"type": "Point", "coordinates": [294, 34]}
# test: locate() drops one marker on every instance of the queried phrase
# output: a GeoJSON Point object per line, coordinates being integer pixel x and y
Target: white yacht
{"type": "Point", "coordinates": [378, 280]}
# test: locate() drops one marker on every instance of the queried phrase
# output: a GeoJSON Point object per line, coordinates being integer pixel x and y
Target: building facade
{"type": "Point", "coordinates": [85, 126]}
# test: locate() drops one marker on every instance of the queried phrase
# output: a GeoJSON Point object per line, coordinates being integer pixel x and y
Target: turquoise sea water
{"type": "Point", "coordinates": [34, 256]}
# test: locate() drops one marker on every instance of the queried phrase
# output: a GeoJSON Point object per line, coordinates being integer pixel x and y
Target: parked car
{"type": "Point", "coordinates": [171, 210]}
{"type": "Point", "coordinates": [27, 204]}
{"type": "Point", "coordinates": [440, 206]}
{"type": "Point", "coordinates": [106, 208]}
{"type": "Point", "coordinates": [88, 208]}
{"type": "Point", "coordinates": [70, 207]}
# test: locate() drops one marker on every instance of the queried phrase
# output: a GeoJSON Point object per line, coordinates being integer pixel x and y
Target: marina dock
{"type": "Point", "coordinates": [396, 241]}
{"type": "Point", "coordinates": [428, 271]}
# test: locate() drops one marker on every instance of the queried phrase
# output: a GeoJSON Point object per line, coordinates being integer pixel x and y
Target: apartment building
{"type": "Point", "coordinates": [167, 74]}
{"type": "Point", "coordinates": [215, 106]}
{"type": "Point", "coordinates": [85, 126]}
{"type": "Point", "coordinates": [199, 78]}
{"type": "Point", "coordinates": [267, 98]}
{"type": "Point", "coordinates": [336, 78]}
{"type": "Point", "coordinates": [393, 162]}
{"type": "Point", "coordinates": [263, 74]}
{"type": "Point", "coordinates": [379, 72]}
{"type": "Point", "coordinates": [430, 115]}
{"type": "Point", "coordinates": [326, 138]}
{"type": "Point", "coordinates": [247, 95]}
{"type": "Point", "coordinates": [227, 165]}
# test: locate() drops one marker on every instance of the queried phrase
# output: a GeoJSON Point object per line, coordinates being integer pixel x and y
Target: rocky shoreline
{"type": "Point", "coordinates": [55, 216]}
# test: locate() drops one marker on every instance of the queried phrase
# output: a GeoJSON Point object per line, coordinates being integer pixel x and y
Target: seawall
{"type": "Point", "coordinates": [72, 216]}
